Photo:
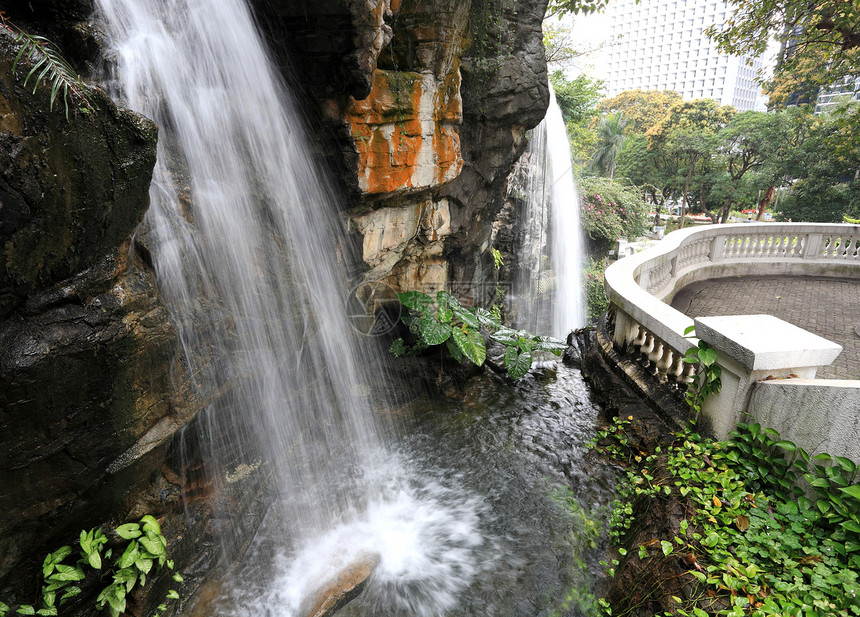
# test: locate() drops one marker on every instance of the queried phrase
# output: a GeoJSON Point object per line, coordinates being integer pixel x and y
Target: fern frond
{"type": "Point", "coordinates": [46, 62]}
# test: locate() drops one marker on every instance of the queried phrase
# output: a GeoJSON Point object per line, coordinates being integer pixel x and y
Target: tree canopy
{"type": "Point", "coordinates": [820, 41]}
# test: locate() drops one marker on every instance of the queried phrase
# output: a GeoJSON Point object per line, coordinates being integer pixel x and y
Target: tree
{"type": "Point", "coordinates": [643, 108]}
{"type": "Point", "coordinates": [559, 7]}
{"type": "Point", "coordinates": [610, 139]}
{"type": "Point", "coordinates": [746, 143]}
{"type": "Point", "coordinates": [820, 40]}
{"type": "Point", "coordinates": [577, 98]}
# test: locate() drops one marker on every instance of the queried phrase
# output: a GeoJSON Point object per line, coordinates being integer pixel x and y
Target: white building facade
{"type": "Point", "coordinates": [661, 45]}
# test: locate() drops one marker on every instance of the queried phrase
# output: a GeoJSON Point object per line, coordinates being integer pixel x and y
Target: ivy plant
{"type": "Point", "coordinates": [707, 380]}
{"type": "Point", "coordinates": [141, 550]}
{"type": "Point", "coordinates": [445, 321]}
{"type": "Point", "coordinates": [767, 529]}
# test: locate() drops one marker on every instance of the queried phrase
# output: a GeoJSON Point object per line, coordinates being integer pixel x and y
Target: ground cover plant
{"type": "Point", "coordinates": [762, 527]}
{"type": "Point", "coordinates": [112, 564]}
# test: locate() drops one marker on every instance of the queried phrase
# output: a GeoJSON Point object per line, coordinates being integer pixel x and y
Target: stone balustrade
{"type": "Point", "coordinates": [643, 324]}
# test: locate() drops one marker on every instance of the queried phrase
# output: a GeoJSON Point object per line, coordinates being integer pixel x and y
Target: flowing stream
{"type": "Point", "coordinates": [245, 240]}
{"type": "Point", "coordinates": [548, 285]}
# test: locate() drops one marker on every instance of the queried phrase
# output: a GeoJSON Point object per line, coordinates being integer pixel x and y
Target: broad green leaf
{"type": "Point", "coordinates": [822, 457]}
{"type": "Point", "coordinates": [61, 553]}
{"type": "Point", "coordinates": [129, 556]}
{"type": "Point", "coordinates": [129, 531]}
{"type": "Point", "coordinates": [471, 343]}
{"type": "Point", "coordinates": [853, 491]}
{"type": "Point", "coordinates": [443, 298]}
{"type": "Point", "coordinates": [846, 464]}
{"type": "Point", "coordinates": [445, 314]}
{"type": "Point", "coordinates": [48, 612]}
{"type": "Point", "coordinates": [518, 364]}
{"type": "Point", "coordinates": [467, 317]}
{"type": "Point", "coordinates": [851, 526]}
{"type": "Point", "coordinates": [454, 350]}
{"type": "Point", "coordinates": [689, 330]}
{"type": "Point", "coordinates": [71, 592]}
{"type": "Point", "coordinates": [49, 598]}
{"type": "Point", "coordinates": [788, 446]}
{"type": "Point", "coordinates": [505, 336]}
{"type": "Point", "coordinates": [86, 542]}
{"type": "Point", "coordinates": [707, 356]}
{"type": "Point", "coordinates": [432, 331]}
{"type": "Point", "coordinates": [172, 595]}
{"type": "Point", "coordinates": [153, 545]}
{"type": "Point", "coordinates": [178, 577]}
{"type": "Point", "coordinates": [415, 300]}
{"type": "Point", "coordinates": [548, 343]}
{"type": "Point", "coordinates": [487, 320]}
{"type": "Point", "coordinates": [666, 547]}
{"type": "Point", "coordinates": [26, 609]}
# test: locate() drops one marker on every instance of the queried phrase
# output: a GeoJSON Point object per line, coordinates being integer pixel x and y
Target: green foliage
{"type": "Point", "coordinates": [611, 133]}
{"type": "Point", "coordinates": [611, 209]}
{"type": "Point", "coordinates": [144, 551]}
{"type": "Point", "coordinates": [597, 302]}
{"type": "Point", "coordinates": [577, 98]}
{"type": "Point", "coordinates": [753, 541]}
{"type": "Point", "coordinates": [707, 380]}
{"type": "Point", "coordinates": [821, 41]}
{"type": "Point", "coordinates": [46, 63]}
{"type": "Point", "coordinates": [445, 321]}
{"type": "Point", "coordinates": [560, 7]}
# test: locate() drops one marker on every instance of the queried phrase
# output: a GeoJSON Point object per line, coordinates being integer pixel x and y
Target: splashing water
{"type": "Point", "coordinates": [551, 299]}
{"type": "Point", "coordinates": [244, 239]}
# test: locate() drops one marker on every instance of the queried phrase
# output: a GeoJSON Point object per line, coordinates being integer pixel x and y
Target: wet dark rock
{"type": "Point", "coordinates": [70, 191]}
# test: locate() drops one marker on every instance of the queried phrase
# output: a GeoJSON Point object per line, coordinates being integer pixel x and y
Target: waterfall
{"type": "Point", "coordinates": [548, 285]}
{"type": "Point", "coordinates": [245, 243]}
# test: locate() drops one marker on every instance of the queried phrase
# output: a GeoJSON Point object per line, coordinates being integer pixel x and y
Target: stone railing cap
{"type": "Point", "coordinates": [765, 342]}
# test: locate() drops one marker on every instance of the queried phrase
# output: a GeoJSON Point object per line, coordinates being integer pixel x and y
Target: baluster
{"type": "Point", "coordinates": [665, 361]}
{"type": "Point", "coordinates": [688, 375]}
{"type": "Point", "coordinates": [648, 347]}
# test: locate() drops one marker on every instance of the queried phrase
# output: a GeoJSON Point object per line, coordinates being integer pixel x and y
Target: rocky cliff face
{"type": "Point", "coordinates": [424, 107]}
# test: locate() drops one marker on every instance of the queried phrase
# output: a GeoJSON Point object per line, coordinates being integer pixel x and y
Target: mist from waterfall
{"type": "Point", "coordinates": [548, 284]}
{"type": "Point", "coordinates": [245, 240]}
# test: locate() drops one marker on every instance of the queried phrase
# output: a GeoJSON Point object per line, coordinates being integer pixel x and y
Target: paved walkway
{"type": "Point", "coordinates": [827, 307]}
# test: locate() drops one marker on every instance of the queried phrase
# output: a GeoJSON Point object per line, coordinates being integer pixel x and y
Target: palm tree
{"type": "Point", "coordinates": [610, 139]}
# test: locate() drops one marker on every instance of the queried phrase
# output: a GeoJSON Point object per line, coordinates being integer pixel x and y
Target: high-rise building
{"type": "Point", "coordinates": [661, 45]}
{"type": "Point", "coordinates": [846, 89]}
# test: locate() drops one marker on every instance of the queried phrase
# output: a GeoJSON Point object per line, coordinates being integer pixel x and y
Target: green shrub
{"type": "Point", "coordinates": [597, 302]}
{"type": "Point", "coordinates": [610, 209]}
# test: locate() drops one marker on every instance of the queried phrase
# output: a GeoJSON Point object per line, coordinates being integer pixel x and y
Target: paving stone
{"type": "Point", "coordinates": [827, 307]}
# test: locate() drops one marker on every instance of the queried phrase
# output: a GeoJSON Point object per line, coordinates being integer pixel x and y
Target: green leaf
{"type": "Point", "coordinates": [471, 343]}
{"type": "Point", "coordinates": [454, 350]}
{"type": "Point", "coordinates": [129, 556]}
{"type": "Point", "coordinates": [467, 317]}
{"type": "Point", "coordinates": [152, 544]}
{"type": "Point", "coordinates": [505, 336]}
{"type": "Point", "coordinates": [398, 348]}
{"type": "Point", "coordinates": [548, 343]}
{"type": "Point", "coordinates": [415, 300]}
{"type": "Point", "coordinates": [150, 524]}
{"type": "Point", "coordinates": [60, 554]}
{"type": "Point", "coordinates": [49, 598]}
{"type": "Point", "coordinates": [518, 364]}
{"type": "Point", "coordinates": [443, 298]}
{"type": "Point", "coordinates": [445, 314]}
{"type": "Point", "coordinates": [52, 610]}
{"type": "Point", "coordinates": [178, 577]}
{"type": "Point", "coordinates": [172, 595]}
{"type": "Point", "coordinates": [788, 446]}
{"type": "Point", "coordinates": [432, 330]}
{"type": "Point", "coordinates": [846, 464]}
{"type": "Point", "coordinates": [143, 564]}
{"type": "Point", "coordinates": [4, 608]}
{"type": "Point", "coordinates": [666, 547]}
{"type": "Point", "coordinates": [487, 320]}
{"type": "Point", "coordinates": [853, 491]}
{"type": "Point", "coordinates": [26, 609]}
{"type": "Point", "coordinates": [689, 330]}
{"type": "Point", "coordinates": [71, 592]}
{"type": "Point", "coordinates": [707, 356]}
{"type": "Point", "coordinates": [129, 531]}
{"type": "Point", "coordinates": [851, 526]}
{"type": "Point", "coordinates": [823, 457]}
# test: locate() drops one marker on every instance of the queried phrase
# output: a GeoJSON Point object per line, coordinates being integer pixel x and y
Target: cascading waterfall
{"type": "Point", "coordinates": [551, 224]}
{"type": "Point", "coordinates": [244, 239]}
